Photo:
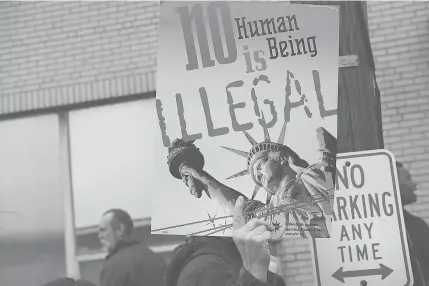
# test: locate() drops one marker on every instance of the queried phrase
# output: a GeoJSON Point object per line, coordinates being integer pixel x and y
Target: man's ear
{"type": "Point", "coordinates": [121, 229]}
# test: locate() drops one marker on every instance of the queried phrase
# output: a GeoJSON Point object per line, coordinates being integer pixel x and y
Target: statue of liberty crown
{"type": "Point", "coordinates": [261, 149]}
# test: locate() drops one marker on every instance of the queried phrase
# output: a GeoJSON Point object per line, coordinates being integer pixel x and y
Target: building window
{"type": "Point", "coordinates": [31, 203]}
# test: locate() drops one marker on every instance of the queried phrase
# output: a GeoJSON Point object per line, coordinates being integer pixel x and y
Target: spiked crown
{"type": "Point", "coordinates": [261, 150]}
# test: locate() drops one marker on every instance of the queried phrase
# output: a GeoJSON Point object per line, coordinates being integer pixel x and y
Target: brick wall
{"type": "Point", "coordinates": [297, 267]}
{"type": "Point", "coordinates": [400, 42]}
{"type": "Point", "coordinates": [80, 50]}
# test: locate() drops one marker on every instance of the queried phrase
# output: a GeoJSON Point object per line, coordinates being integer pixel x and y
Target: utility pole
{"type": "Point", "coordinates": [359, 107]}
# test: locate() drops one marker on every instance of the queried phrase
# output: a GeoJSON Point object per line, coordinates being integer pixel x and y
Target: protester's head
{"type": "Point", "coordinates": [115, 225]}
{"type": "Point", "coordinates": [406, 185]}
{"type": "Point", "coordinates": [69, 282]}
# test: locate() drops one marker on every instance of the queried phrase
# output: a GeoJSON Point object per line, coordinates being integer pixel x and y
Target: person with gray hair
{"type": "Point", "coordinates": [129, 262]}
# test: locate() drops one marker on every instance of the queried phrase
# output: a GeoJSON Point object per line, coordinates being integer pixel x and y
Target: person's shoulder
{"type": "Point", "coordinates": [408, 217]}
{"type": "Point", "coordinates": [142, 248]}
{"type": "Point", "coordinates": [115, 267]}
{"type": "Point", "coordinates": [201, 264]}
{"type": "Point", "coordinates": [206, 269]}
{"type": "Point", "coordinates": [275, 279]}
{"type": "Point", "coordinates": [144, 253]}
{"type": "Point", "coordinates": [421, 222]}
{"type": "Point", "coordinates": [415, 225]}
{"type": "Point", "coordinates": [124, 255]}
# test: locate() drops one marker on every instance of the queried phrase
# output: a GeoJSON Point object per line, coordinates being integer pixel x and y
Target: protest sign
{"type": "Point", "coordinates": [247, 106]}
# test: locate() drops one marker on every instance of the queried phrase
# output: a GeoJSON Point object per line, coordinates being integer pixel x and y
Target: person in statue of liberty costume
{"type": "Point", "coordinates": [294, 188]}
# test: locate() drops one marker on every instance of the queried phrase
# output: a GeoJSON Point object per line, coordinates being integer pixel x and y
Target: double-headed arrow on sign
{"type": "Point", "coordinates": [384, 271]}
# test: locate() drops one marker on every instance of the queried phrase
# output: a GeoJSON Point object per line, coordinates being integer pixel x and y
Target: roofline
{"type": "Point", "coordinates": [74, 96]}
{"type": "Point", "coordinates": [77, 106]}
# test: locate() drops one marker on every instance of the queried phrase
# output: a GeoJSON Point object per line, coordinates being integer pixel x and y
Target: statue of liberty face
{"type": "Point", "coordinates": [273, 172]}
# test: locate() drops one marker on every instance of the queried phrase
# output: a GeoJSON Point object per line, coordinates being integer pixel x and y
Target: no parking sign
{"type": "Point", "coordinates": [368, 244]}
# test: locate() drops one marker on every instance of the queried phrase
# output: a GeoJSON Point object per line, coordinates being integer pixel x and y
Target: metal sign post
{"type": "Point", "coordinates": [368, 244]}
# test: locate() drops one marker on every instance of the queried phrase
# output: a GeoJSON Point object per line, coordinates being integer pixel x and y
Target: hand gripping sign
{"type": "Point", "coordinates": [368, 244]}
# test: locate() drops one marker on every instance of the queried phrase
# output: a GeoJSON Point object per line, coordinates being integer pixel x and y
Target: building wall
{"type": "Point", "coordinates": [104, 49]}
{"type": "Point", "coordinates": [400, 42]}
{"type": "Point", "coordinates": [68, 52]}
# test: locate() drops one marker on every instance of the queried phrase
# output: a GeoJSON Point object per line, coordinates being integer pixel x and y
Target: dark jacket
{"type": "Point", "coordinates": [209, 261]}
{"type": "Point", "coordinates": [418, 244]}
{"type": "Point", "coordinates": [132, 264]}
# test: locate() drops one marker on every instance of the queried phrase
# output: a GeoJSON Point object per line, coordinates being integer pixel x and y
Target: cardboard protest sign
{"type": "Point", "coordinates": [247, 106]}
{"type": "Point", "coordinates": [368, 243]}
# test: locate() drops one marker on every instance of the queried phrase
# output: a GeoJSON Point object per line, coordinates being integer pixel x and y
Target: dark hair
{"type": "Point", "coordinates": [122, 217]}
{"type": "Point", "coordinates": [399, 165]}
{"type": "Point", "coordinates": [181, 255]}
{"type": "Point", "coordinates": [66, 281]}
